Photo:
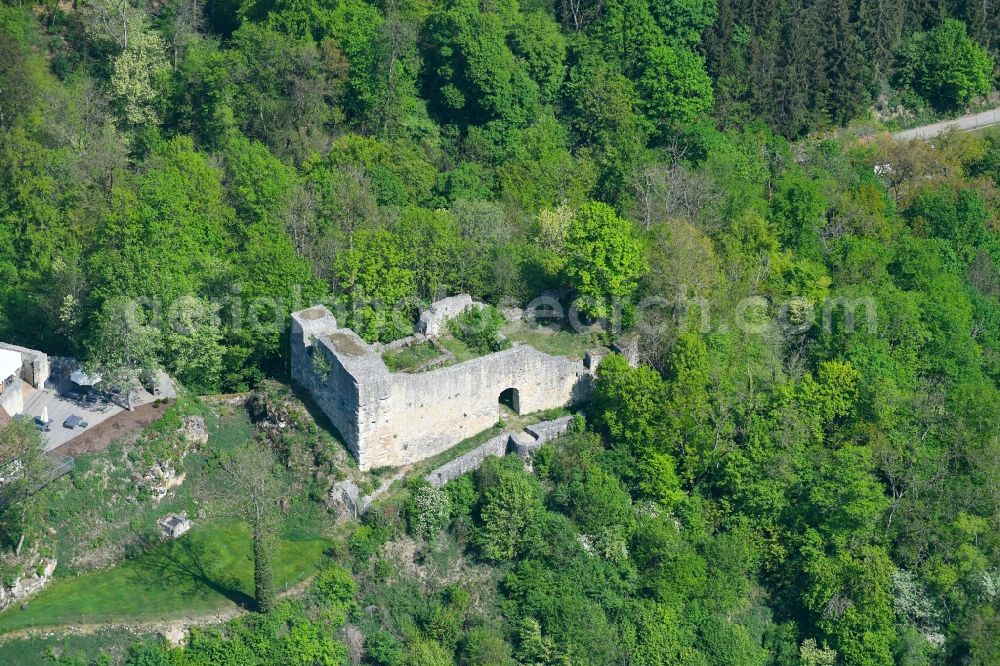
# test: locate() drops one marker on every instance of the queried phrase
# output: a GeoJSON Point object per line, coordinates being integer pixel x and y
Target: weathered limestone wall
{"type": "Point", "coordinates": [12, 398]}
{"type": "Point", "coordinates": [431, 411]}
{"type": "Point", "coordinates": [34, 364]}
{"type": "Point", "coordinates": [335, 391]}
{"type": "Point", "coordinates": [497, 446]}
{"type": "Point", "coordinates": [390, 419]}
{"type": "Point", "coordinates": [523, 444]}
{"type": "Point", "coordinates": [433, 318]}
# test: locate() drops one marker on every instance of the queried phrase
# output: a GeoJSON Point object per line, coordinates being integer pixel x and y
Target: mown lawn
{"type": "Point", "coordinates": [208, 569]}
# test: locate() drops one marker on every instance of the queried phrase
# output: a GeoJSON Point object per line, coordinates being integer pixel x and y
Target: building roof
{"type": "Point", "coordinates": [10, 363]}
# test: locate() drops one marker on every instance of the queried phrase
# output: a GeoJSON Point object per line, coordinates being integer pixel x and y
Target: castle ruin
{"type": "Point", "coordinates": [389, 418]}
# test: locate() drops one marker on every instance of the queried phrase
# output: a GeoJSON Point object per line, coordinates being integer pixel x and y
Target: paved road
{"type": "Point", "coordinates": [967, 123]}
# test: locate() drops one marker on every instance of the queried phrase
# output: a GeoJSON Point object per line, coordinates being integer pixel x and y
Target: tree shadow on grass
{"type": "Point", "coordinates": [182, 565]}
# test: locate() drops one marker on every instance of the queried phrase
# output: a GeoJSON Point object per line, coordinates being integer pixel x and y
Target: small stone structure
{"type": "Point", "coordinates": [174, 525]}
{"type": "Point", "coordinates": [34, 372]}
{"type": "Point", "coordinates": [433, 318]}
{"type": "Point", "coordinates": [389, 419]}
{"type": "Point", "coordinates": [34, 365]}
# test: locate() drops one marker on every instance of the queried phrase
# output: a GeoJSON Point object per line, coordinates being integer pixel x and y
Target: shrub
{"type": "Point", "coordinates": [510, 506]}
{"type": "Point", "coordinates": [429, 511]}
{"type": "Point", "coordinates": [462, 495]}
{"type": "Point", "coordinates": [384, 648]}
{"type": "Point", "coordinates": [485, 647]}
{"type": "Point", "coordinates": [335, 585]}
{"type": "Point", "coordinates": [479, 328]}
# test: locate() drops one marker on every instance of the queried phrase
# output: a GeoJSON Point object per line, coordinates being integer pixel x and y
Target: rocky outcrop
{"type": "Point", "coordinates": [347, 500]}
{"type": "Point", "coordinates": [34, 579]}
{"type": "Point", "coordinates": [194, 431]}
{"type": "Point", "coordinates": [161, 479]}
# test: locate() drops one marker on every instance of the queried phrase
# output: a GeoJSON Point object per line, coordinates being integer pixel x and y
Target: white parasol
{"type": "Point", "coordinates": [81, 378]}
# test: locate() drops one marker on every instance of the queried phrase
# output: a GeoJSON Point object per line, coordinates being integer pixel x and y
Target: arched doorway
{"type": "Point", "coordinates": [510, 399]}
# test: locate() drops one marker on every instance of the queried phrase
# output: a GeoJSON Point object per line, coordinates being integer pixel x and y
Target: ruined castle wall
{"type": "Point", "coordinates": [390, 419]}
{"type": "Point", "coordinates": [434, 410]}
{"type": "Point", "coordinates": [334, 390]}
{"type": "Point", "coordinates": [433, 319]}
{"type": "Point", "coordinates": [497, 446]}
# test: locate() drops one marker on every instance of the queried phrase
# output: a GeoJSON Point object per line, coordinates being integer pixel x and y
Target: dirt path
{"type": "Point", "coordinates": [174, 630]}
{"type": "Point", "coordinates": [169, 628]}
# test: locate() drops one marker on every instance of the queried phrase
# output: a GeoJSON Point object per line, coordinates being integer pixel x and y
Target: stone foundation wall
{"type": "Point", "coordinates": [12, 398]}
{"type": "Point", "coordinates": [497, 446]}
{"type": "Point", "coordinates": [523, 444]}
{"type": "Point", "coordinates": [34, 364]}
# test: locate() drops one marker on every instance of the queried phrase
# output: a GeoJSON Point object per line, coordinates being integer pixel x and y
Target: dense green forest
{"type": "Point", "coordinates": [805, 467]}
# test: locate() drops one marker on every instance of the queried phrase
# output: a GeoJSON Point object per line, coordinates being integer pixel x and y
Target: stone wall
{"type": "Point", "coordinates": [432, 319]}
{"type": "Point", "coordinates": [431, 411]}
{"type": "Point", "coordinates": [403, 343]}
{"type": "Point", "coordinates": [391, 419]}
{"type": "Point", "coordinates": [497, 446]}
{"type": "Point", "coordinates": [523, 444]}
{"type": "Point", "coordinates": [34, 364]}
{"type": "Point", "coordinates": [549, 430]}
{"type": "Point", "coordinates": [12, 398]}
{"type": "Point", "coordinates": [320, 371]}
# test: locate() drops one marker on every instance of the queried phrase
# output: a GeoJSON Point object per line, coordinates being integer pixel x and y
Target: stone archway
{"type": "Point", "coordinates": [511, 399]}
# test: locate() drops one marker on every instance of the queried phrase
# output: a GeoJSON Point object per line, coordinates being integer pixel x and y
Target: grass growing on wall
{"type": "Point", "coordinates": [558, 342]}
{"type": "Point", "coordinates": [461, 351]}
{"type": "Point", "coordinates": [410, 357]}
